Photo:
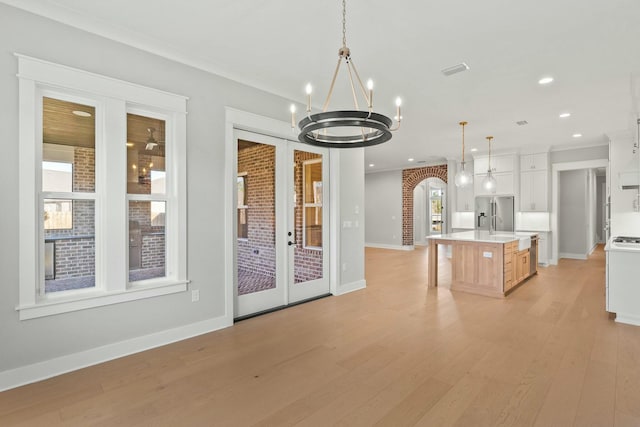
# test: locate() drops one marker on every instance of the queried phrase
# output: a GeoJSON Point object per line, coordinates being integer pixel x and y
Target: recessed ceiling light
{"type": "Point", "coordinates": [564, 115]}
{"type": "Point", "coordinates": [81, 113]}
{"type": "Point", "coordinates": [371, 165]}
{"type": "Point", "coordinates": [410, 159]}
{"type": "Point", "coordinates": [577, 135]}
{"type": "Point", "coordinates": [545, 80]}
{"type": "Point", "coordinates": [474, 150]}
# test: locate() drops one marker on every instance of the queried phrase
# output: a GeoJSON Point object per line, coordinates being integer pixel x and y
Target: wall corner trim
{"type": "Point", "coordinates": [60, 365]}
{"type": "Point", "coordinates": [352, 287]}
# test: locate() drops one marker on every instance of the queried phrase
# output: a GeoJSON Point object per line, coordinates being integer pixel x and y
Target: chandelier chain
{"type": "Point", "coordinates": [344, 23]}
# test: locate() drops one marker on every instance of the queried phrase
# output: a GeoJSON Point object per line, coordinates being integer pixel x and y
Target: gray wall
{"type": "Point", "coordinates": [383, 208]}
{"type": "Point", "coordinates": [352, 209]}
{"type": "Point", "coordinates": [572, 212]}
{"type": "Point", "coordinates": [27, 342]}
{"type": "Point", "coordinates": [580, 154]}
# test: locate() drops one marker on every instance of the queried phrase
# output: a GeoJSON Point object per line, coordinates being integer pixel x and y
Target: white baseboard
{"type": "Point", "coordinates": [572, 256]}
{"type": "Point", "coordinates": [71, 362]}
{"type": "Point", "coordinates": [628, 319]}
{"type": "Point", "coordinates": [595, 245]}
{"type": "Point", "coordinates": [352, 287]}
{"type": "Point", "coordinates": [385, 246]}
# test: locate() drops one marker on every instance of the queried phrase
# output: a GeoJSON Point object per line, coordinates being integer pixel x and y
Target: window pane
{"type": "Point", "coordinates": [313, 183]}
{"type": "Point", "coordinates": [70, 253]}
{"type": "Point", "coordinates": [242, 191]}
{"type": "Point", "coordinates": [243, 228]}
{"type": "Point", "coordinates": [313, 227]}
{"type": "Point", "coordinates": [146, 240]}
{"type": "Point", "coordinates": [68, 146]}
{"type": "Point", "coordinates": [58, 214]}
{"type": "Point", "coordinates": [145, 155]}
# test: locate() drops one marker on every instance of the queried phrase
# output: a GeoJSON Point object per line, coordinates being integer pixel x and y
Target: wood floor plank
{"type": "Point", "coordinates": [396, 353]}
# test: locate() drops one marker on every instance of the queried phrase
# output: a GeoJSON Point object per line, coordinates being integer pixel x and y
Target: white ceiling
{"type": "Point", "coordinates": [590, 47]}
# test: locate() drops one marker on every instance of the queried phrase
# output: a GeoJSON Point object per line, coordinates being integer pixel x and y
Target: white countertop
{"type": "Point", "coordinates": [483, 236]}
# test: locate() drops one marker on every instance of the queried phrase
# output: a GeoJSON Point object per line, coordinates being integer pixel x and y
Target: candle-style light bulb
{"type": "Point", "coordinates": [292, 108]}
{"type": "Point", "coordinates": [398, 111]}
{"type": "Point", "coordinates": [370, 87]}
{"type": "Point", "coordinates": [308, 89]}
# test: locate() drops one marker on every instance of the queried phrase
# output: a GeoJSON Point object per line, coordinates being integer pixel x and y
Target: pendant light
{"type": "Point", "coordinates": [489, 182]}
{"type": "Point", "coordinates": [346, 128]}
{"type": "Point", "coordinates": [463, 177]}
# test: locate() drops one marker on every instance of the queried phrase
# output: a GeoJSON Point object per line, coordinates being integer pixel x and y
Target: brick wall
{"type": "Point", "coordinates": [75, 247]}
{"type": "Point", "coordinates": [410, 179]}
{"type": "Point", "coordinates": [257, 253]}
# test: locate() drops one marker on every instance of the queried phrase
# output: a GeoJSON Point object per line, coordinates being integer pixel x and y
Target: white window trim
{"type": "Point", "coordinates": [308, 205]}
{"type": "Point", "coordinates": [113, 99]}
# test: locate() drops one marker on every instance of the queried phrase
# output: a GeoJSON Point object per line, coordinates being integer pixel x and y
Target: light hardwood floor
{"type": "Point", "coordinates": [395, 354]}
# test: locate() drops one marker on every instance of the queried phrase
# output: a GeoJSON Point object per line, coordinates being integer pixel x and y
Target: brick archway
{"type": "Point", "coordinates": [410, 179]}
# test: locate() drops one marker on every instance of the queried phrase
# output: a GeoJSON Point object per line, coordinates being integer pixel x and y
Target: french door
{"type": "Point", "coordinates": [282, 223]}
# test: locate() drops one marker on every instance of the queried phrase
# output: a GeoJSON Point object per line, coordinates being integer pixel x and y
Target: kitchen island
{"type": "Point", "coordinates": [484, 263]}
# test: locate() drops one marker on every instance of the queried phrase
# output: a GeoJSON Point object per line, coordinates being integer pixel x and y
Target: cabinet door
{"type": "Point", "coordinates": [542, 249]}
{"type": "Point", "coordinates": [464, 199]}
{"type": "Point", "coordinates": [504, 184]}
{"type": "Point", "coordinates": [539, 191]}
{"type": "Point", "coordinates": [540, 161]}
{"type": "Point", "coordinates": [526, 182]}
{"type": "Point", "coordinates": [501, 164]}
{"type": "Point", "coordinates": [480, 165]}
{"type": "Point", "coordinates": [533, 191]}
{"type": "Point", "coordinates": [526, 162]}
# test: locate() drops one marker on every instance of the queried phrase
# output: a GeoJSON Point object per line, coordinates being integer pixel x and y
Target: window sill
{"type": "Point", "coordinates": [50, 306]}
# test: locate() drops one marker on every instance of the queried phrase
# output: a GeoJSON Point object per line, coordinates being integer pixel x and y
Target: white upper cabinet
{"type": "Point", "coordinates": [504, 184]}
{"type": "Point", "coordinates": [534, 182]}
{"type": "Point", "coordinates": [530, 162]}
{"type": "Point", "coordinates": [533, 191]}
{"type": "Point", "coordinates": [499, 164]}
{"type": "Point", "coordinates": [464, 200]}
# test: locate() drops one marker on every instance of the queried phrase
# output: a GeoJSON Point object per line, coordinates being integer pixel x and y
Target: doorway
{"type": "Point", "coordinates": [281, 223]}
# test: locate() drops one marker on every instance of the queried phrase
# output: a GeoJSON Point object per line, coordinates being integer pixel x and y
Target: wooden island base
{"type": "Point", "coordinates": [490, 269]}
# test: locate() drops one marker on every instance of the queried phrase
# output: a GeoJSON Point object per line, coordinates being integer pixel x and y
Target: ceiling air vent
{"type": "Point", "coordinates": [455, 69]}
{"type": "Point", "coordinates": [522, 122]}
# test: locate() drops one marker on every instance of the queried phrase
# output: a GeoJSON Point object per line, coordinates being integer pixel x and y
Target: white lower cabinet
{"type": "Point", "coordinates": [543, 247]}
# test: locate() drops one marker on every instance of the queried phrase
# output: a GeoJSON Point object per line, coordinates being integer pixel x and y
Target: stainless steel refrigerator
{"type": "Point", "coordinates": [494, 213]}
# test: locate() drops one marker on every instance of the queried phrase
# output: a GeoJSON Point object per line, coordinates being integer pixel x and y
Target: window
{"type": "Point", "coordinates": [312, 203]}
{"type": "Point", "coordinates": [111, 175]}
{"type": "Point", "coordinates": [243, 208]}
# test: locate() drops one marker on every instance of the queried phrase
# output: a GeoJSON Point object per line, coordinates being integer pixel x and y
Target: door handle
{"type": "Point", "coordinates": [291, 243]}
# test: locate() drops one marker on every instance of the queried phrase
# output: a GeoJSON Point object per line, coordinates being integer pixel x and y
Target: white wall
{"type": "Point", "coordinates": [94, 331]}
{"type": "Point", "coordinates": [383, 208]}
{"type": "Point", "coordinates": [601, 197]}
{"type": "Point", "coordinates": [572, 214]}
{"type": "Point", "coordinates": [420, 213]}
{"type": "Point", "coordinates": [352, 209]}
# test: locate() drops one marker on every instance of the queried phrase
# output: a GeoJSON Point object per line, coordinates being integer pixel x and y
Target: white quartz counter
{"type": "Point", "coordinates": [483, 236]}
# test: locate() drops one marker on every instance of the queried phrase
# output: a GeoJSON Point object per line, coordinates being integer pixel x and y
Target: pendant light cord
{"type": "Point", "coordinates": [344, 23]}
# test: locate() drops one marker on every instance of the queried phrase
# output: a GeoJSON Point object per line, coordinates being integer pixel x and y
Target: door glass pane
{"type": "Point", "coordinates": [308, 189]}
{"type": "Point", "coordinates": [68, 146]}
{"type": "Point", "coordinates": [147, 251]}
{"type": "Point", "coordinates": [256, 219]}
{"type": "Point", "coordinates": [145, 155]}
{"type": "Point", "coordinates": [69, 249]}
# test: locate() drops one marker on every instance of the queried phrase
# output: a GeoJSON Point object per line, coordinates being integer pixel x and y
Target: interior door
{"type": "Point", "coordinates": [308, 220]}
{"type": "Point", "coordinates": [282, 219]}
{"type": "Point", "coordinates": [261, 281]}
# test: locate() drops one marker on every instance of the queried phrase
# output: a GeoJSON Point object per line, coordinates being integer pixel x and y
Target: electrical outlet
{"type": "Point", "coordinates": [195, 295]}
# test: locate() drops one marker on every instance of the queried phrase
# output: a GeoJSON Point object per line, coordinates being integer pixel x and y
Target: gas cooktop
{"type": "Point", "coordinates": [622, 239]}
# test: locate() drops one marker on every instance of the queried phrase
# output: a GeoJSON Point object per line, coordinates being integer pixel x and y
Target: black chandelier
{"type": "Point", "coordinates": [346, 128]}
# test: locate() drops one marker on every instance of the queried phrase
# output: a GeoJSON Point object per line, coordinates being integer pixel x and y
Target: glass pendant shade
{"type": "Point", "coordinates": [463, 178]}
{"type": "Point", "coordinates": [489, 183]}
